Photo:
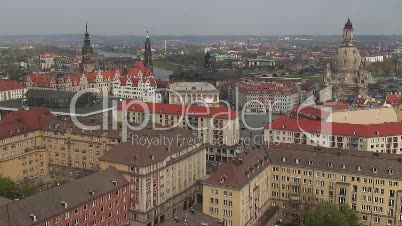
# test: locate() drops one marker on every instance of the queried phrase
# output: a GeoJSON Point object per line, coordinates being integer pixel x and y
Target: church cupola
{"type": "Point", "coordinates": [347, 39]}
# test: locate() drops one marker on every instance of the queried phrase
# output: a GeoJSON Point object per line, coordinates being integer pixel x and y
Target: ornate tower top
{"type": "Point", "coordinates": [347, 39]}
{"type": "Point", "coordinates": [87, 63]}
{"type": "Point", "coordinates": [148, 52]}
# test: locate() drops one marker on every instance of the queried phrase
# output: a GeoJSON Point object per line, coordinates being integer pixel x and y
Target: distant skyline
{"type": "Point", "coordinates": [206, 17]}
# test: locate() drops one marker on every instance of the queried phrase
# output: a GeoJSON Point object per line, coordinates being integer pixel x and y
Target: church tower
{"type": "Point", "coordinates": [148, 52]}
{"type": "Point", "coordinates": [87, 63]}
{"type": "Point", "coordinates": [347, 39]}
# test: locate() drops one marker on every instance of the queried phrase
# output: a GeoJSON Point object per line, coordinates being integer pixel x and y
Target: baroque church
{"type": "Point", "coordinates": [348, 75]}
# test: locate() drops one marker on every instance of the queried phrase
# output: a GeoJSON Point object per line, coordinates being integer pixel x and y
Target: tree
{"type": "Point", "coordinates": [8, 188]}
{"type": "Point", "coordinates": [330, 214]}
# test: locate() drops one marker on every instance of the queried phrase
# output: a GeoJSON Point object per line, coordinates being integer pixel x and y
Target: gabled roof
{"type": "Point", "coordinates": [240, 171]}
{"type": "Point", "coordinates": [136, 153]}
{"type": "Point", "coordinates": [47, 204]}
{"type": "Point", "coordinates": [178, 109]}
{"type": "Point", "coordinates": [23, 121]}
{"type": "Point", "coordinates": [6, 85]}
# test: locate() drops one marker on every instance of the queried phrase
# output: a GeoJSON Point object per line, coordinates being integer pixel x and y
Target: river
{"type": "Point", "coordinates": [159, 73]}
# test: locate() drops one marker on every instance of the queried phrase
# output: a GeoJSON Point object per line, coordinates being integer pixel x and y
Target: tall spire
{"type": "Point", "coordinates": [86, 27]}
{"type": "Point", "coordinates": [148, 52]}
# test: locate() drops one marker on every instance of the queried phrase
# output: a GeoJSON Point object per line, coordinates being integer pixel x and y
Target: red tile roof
{"type": "Point", "coordinates": [47, 54]}
{"type": "Point", "coordinates": [178, 109]}
{"type": "Point", "coordinates": [345, 129]}
{"type": "Point", "coordinates": [6, 85]}
{"type": "Point", "coordinates": [22, 121]}
{"type": "Point", "coordinates": [239, 172]}
{"type": "Point", "coordinates": [394, 99]}
{"type": "Point", "coordinates": [310, 112]}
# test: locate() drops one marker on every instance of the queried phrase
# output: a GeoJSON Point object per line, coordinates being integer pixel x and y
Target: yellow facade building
{"type": "Point", "coordinates": [293, 177]}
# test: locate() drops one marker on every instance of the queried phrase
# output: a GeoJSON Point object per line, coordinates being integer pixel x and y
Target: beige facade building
{"type": "Point", "coordinates": [163, 177]}
{"type": "Point", "coordinates": [346, 114]}
{"type": "Point", "coordinates": [214, 125]}
{"type": "Point", "coordinates": [380, 138]}
{"type": "Point", "coordinates": [35, 143]}
{"type": "Point", "coordinates": [10, 90]}
{"type": "Point", "coordinates": [293, 177]}
{"type": "Point", "coordinates": [190, 92]}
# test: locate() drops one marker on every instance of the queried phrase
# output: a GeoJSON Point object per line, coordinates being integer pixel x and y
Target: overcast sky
{"type": "Point", "coordinates": [199, 17]}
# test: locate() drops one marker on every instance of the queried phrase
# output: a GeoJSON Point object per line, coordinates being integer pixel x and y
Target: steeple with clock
{"type": "Point", "coordinates": [87, 63]}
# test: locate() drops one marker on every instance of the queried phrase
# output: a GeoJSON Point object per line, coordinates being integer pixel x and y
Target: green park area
{"type": "Point", "coordinates": [316, 78]}
{"type": "Point", "coordinates": [166, 65]}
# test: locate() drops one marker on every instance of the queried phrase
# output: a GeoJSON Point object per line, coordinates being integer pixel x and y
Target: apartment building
{"type": "Point", "coordinates": [369, 183]}
{"type": "Point", "coordinates": [294, 177]}
{"type": "Point", "coordinates": [99, 199]}
{"type": "Point", "coordinates": [238, 192]}
{"type": "Point", "coordinates": [215, 125]}
{"type": "Point", "coordinates": [36, 143]}
{"type": "Point", "coordinates": [22, 154]}
{"type": "Point", "coordinates": [10, 90]}
{"type": "Point", "coordinates": [163, 174]}
{"type": "Point", "coordinates": [343, 113]}
{"type": "Point", "coordinates": [264, 96]}
{"type": "Point", "coordinates": [190, 92]}
{"type": "Point", "coordinates": [381, 138]}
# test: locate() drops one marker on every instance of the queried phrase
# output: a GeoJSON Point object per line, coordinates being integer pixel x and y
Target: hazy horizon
{"type": "Point", "coordinates": [200, 18]}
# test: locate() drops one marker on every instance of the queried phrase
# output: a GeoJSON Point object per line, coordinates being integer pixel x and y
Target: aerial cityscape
{"type": "Point", "coordinates": [211, 113]}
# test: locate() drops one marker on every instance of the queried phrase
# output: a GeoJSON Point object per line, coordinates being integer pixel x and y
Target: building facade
{"type": "Point", "coordinates": [141, 88]}
{"type": "Point", "coordinates": [99, 199]}
{"type": "Point", "coordinates": [276, 97]}
{"type": "Point", "coordinates": [214, 125]}
{"type": "Point", "coordinates": [191, 92]}
{"type": "Point", "coordinates": [295, 177]}
{"type": "Point", "coordinates": [379, 138]}
{"type": "Point", "coordinates": [10, 89]}
{"type": "Point", "coordinates": [163, 178]}
{"type": "Point", "coordinates": [99, 82]}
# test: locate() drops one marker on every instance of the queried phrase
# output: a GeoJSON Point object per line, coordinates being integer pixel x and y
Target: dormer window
{"type": "Point", "coordinates": [222, 179]}
{"type": "Point", "coordinates": [343, 166]}
{"type": "Point", "coordinates": [390, 171]}
{"type": "Point", "coordinates": [359, 168]}
{"type": "Point", "coordinates": [297, 161]}
{"type": "Point", "coordinates": [310, 162]}
{"type": "Point", "coordinates": [283, 159]}
{"type": "Point", "coordinates": [374, 169]}
{"type": "Point", "coordinates": [330, 164]}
